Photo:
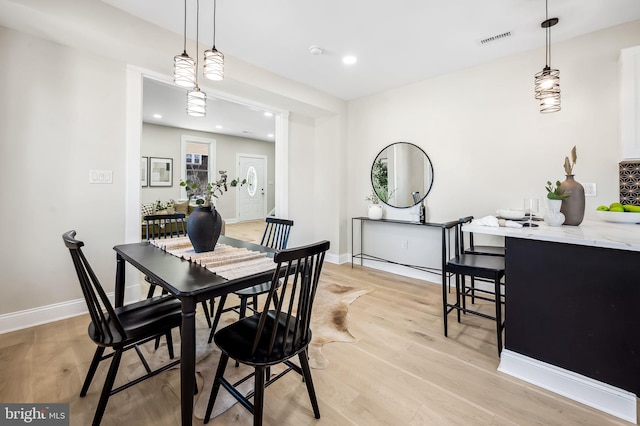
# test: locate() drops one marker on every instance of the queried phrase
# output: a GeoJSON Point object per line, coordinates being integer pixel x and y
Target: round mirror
{"type": "Point", "coordinates": [402, 175]}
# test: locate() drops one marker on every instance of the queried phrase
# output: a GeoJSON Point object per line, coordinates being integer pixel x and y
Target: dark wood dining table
{"type": "Point", "coordinates": [191, 283]}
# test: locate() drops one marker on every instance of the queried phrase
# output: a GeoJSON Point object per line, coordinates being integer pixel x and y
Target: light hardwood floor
{"type": "Point", "coordinates": [400, 371]}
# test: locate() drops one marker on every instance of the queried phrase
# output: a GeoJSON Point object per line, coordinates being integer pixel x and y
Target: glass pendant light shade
{"type": "Point", "coordinates": [196, 103]}
{"type": "Point", "coordinates": [213, 64]}
{"type": "Point", "coordinates": [184, 71]}
{"type": "Point", "coordinates": [547, 81]}
{"type": "Point", "coordinates": [547, 87]}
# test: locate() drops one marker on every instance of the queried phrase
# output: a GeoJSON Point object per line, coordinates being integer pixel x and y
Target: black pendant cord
{"type": "Point", "coordinates": [214, 24]}
{"type": "Point", "coordinates": [184, 36]}
{"type": "Point", "coordinates": [548, 49]}
{"type": "Point", "coordinates": [197, 36]}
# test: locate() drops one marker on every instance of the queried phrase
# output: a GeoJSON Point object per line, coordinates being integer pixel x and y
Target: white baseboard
{"type": "Point", "coordinates": [585, 390]}
{"type": "Point", "coordinates": [58, 311]}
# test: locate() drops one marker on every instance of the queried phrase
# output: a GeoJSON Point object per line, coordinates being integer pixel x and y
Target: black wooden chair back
{"type": "Point", "coordinates": [284, 330]}
{"type": "Point", "coordinates": [104, 319]}
{"type": "Point", "coordinates": [277, 334]}
{"type": "Point", "coordinates": [471, 247]}
{"type": "Point", "coordinates": [165, 226]}
{"type": "Point", "coordinates": [276, 233]}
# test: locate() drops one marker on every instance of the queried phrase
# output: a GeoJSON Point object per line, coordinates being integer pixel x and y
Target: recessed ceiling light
{"type": "Point", "coordinates": [270, 135]}
{"type": "Point", "coordinates": [315, 50]}
{"type": "Point", "coordinates": [349, 60]}
{"type": "Point", "coordinates": [268, 114]}
{"type": "Point", "coordinates": [218, 126]}
{"type": "Point", "coordinates": [158, 116]}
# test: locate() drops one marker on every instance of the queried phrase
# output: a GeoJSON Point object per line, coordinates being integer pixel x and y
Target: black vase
{"type": "Point", "coordinates": [572, 207]}
{"type": "Point", "coordinates": [203, 228]}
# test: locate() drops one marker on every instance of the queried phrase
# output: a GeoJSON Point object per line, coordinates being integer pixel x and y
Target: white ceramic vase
{"type": "Point", "coordinates": [375, 211]}
{"type": "Point", "coordinates": [553, 216]}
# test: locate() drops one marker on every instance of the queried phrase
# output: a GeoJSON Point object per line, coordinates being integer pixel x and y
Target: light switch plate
{"type": "Point", "coordinates": [100, 176]}
{"type": "Point", "coordinates": [590, 189]}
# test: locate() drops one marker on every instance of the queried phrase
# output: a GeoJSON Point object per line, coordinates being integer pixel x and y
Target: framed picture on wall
{"type": "Point", "coordinates": [160, 171]}
{"type": "Point", "coordinates": [144, 171]}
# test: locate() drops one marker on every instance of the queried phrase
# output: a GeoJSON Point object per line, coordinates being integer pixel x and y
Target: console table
{"type": "Point", "coordinates": [364, 256]}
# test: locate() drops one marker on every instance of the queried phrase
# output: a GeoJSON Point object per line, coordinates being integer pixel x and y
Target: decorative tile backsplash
{"type": "Point", "coordinates": [630, 182]}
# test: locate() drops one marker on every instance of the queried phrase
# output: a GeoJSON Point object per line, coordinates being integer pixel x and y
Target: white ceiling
{"type": "Point", "coordinates": [170, 101]}
{"type": "Point", "coordinates": [396, 43]}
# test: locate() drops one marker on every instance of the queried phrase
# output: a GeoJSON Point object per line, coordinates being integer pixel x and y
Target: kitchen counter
{"type": "Point", "coordinates": [590, 233]}
{"type": "Point", "coordinates": [571, 310]}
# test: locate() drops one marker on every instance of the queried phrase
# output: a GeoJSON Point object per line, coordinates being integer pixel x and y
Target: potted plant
{"type": "Point", "coordinates": [555, 195]}
{"type": "Point", "coordinates": [375, 208]}
{"type": "Point", "coordinates": [203, 191]}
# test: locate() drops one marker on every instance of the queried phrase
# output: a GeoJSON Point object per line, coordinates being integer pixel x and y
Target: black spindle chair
{"type": "Point", "coordinates": [160, 226]}
{"type": "Point", "coordinates": [461, 265]}
{"type": "Point", "coordinates": [276, 236]}
{"type": "Point", "coordinates": [277, 334]}
{"type": "Point", "coordinates": [120, 328]}
{"type": "Point", "coordinates": [470, 247]}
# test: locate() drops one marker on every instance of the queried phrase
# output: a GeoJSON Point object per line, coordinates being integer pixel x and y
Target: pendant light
{"type": "Point", "coordinates": [213, 59]}
{"type": "Point", "coordinates": [197, 99]}
{"type": "Point", "coordinates": [184, 67]}
{"type": "Point", "coordinates": [547, 81]}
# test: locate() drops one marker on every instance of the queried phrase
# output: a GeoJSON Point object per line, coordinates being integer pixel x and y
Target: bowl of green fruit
{"type": "Point", "coordinates": [619, 213]}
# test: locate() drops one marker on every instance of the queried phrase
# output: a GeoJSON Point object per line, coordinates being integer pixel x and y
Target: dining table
{"type": "Point", "coordinates": [191, 283]}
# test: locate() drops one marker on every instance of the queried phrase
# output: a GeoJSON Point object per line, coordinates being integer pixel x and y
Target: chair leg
{"type": "Point", "coordinates": [458, 296]}
{"type": "Point", "coordinates": [306, 371]}
{"type": "Point", "coordinates": [108, 385]}
{"type": "Point", "coordinates": [169, 344]}
{"type": "Point", "coordinates": [498, 315]}
{"type": "Point", "coordinates": [258, 396]}
{"type": "Point", "coordinates": [152, 289]}
{"type": "Point", "coordinates": [216, 386]}
{"type": "Point", "coordinates": [444, 304]}
{"type": "Point", "coordinates": [217, 317]}
{"type": "Point", "coordinates": [206, 314]}
{"type": "Point", "coordinates": [92, 370]}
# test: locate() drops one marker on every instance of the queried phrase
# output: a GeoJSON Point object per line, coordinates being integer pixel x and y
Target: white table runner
{"type": "Point", "coordinates": [227, 261]}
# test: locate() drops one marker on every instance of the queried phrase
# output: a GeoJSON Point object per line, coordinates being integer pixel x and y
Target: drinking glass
{"type": "Point", "coordinates": [531, 206]}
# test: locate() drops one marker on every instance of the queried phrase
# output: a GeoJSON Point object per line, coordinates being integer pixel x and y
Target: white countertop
{"type": "Point", "coordinates": [588, 233]}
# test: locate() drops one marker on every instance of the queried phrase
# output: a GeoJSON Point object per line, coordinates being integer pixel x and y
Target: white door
{"type": "Point", "coordinates": [252, 197]}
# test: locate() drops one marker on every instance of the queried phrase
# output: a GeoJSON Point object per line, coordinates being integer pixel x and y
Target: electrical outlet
{"type": "Point", "coordinates": [404, 244]}
{"type": "Point", "coordinates": [590, 189]}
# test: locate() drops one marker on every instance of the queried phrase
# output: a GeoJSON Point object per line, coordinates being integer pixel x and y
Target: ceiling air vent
{"type": "Point", "coordinates": [495, 37]}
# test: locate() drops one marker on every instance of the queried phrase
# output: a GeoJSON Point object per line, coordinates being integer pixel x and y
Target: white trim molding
{"type": "Point", "coordinates": [58, 311]}
{"type": "Point", "coordinates": [585, 390]}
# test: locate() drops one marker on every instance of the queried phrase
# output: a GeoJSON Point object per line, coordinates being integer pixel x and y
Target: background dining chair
{"type": "Point", "coordinates": [162, 226]}
{"type": "Point", "coordinates": [121, 328]}
{"type": "Point", "coordinates": [276, 236]}
{"type": "Point", "coordinates": [462, 265]}
{"type": "Point", "coordinates": [469, 247]}
{"type": "Point", "coordinates": [278, 333]}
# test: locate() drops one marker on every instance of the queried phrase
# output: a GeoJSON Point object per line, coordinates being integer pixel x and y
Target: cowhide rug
{"type": "Point", "coordinates": [328, 324]}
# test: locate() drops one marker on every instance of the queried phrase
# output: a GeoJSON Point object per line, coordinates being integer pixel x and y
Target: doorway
{"type": "Point", "coordinates": [252, 197]}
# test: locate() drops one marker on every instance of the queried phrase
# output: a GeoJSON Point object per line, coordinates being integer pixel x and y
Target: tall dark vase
{"type": "Point", "coordinates": [572, 207]}
{"type": "Point", "coordinates": [203, 228]}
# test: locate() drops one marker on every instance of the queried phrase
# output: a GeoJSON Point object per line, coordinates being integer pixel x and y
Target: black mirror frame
{"type": "Point", "coordinates": [430, 169]}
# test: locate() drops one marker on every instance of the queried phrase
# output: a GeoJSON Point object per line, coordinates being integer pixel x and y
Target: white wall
{"type": "Point", "coordinates": [163, 141]}
{"type": "Point", "coordinates": [62, 115]}
{"type": "Point", "coordinates": [489, 145]}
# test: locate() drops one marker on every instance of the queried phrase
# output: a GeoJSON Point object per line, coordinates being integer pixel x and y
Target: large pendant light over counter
{"type": "Point", "coordinates": [547, 81]}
